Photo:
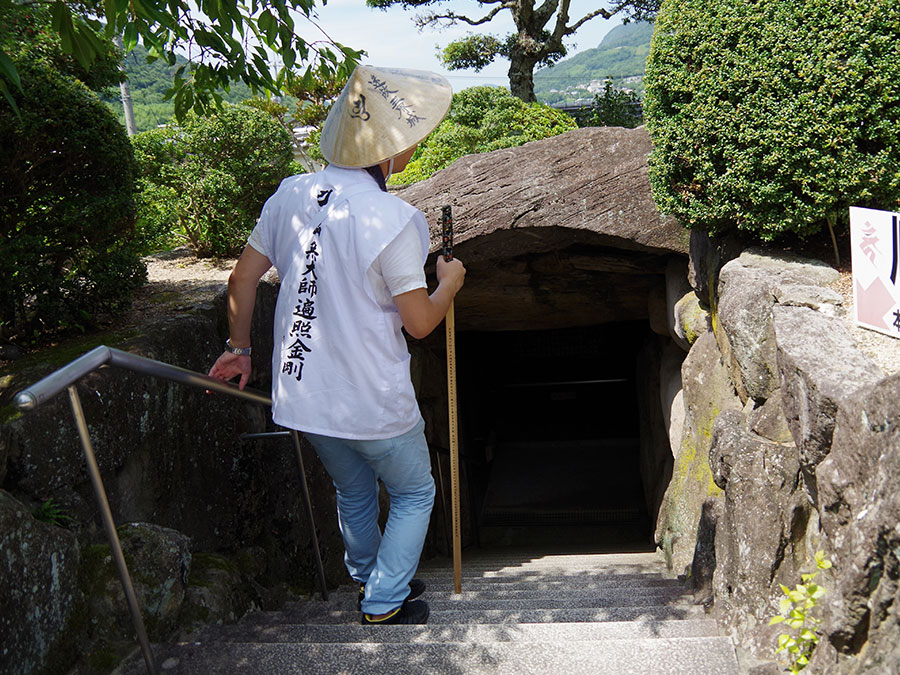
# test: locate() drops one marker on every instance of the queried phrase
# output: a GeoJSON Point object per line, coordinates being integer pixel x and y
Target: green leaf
{"type": "Point", "coordinates": [290, 57]}
{"type": "Point", "coordinates": [9, 99]}
{"type": "Point", "coordinates": [775, 619]}
{"type": "Point", "coordinates": [130, 37]}
{"type": "Point", "coordinates": [8, 70]}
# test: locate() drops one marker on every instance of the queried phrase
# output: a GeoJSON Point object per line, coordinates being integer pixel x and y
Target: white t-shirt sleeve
{"type": "Point", "coordinates": [399, 265]}
{"type": "Point", "coordinates": [256, 241]}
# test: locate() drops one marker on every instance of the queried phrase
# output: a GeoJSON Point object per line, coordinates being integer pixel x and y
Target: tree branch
{"type": "Point", "coordinates": [543, 13]}
{"type": "Point", "coordinates": [606, 14]}
{"type": "Point", "coordinates": [423, 20]}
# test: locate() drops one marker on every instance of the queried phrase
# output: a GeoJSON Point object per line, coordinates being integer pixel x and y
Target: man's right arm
{"type": "Point", "coordinates": [420, 312]}
{"type": "Point", "coordinates": [241, 299]}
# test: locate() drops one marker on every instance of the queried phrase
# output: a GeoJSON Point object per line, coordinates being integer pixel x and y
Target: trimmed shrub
{"type": "Point", "coordinates": [482, 119]}
{"type": "Point", "coordinates": [773, 117]}
{"type": "Point", "coordinates": [207, 180]}
{"type": "Point", "coordinates": [67, 175]}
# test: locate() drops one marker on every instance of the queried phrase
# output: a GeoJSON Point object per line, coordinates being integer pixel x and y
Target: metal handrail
{"type": "Point", "coordinates": [66, 377]}
{"type": "Point", "coordinates": [54, 383]}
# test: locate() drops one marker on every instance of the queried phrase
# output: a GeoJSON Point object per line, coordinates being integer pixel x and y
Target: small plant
{"type": "Point", "coordinates": [51, 512]}
{"type": "Point", "coordinates": [796, 612]}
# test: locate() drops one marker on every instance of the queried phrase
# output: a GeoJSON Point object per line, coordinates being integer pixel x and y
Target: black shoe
{"type": "Point", "coordinates": [411, 611]}
{"type": "Point", "coordinates": [416, 588]}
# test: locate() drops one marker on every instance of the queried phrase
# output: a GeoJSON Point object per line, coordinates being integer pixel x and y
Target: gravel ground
{"type": "Point", "coordinates": [178, 279]}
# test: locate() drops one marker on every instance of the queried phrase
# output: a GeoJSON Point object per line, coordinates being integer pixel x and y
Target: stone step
{"type": "Point", "coordinates": [580, 561]}
{"type": "Point", "coordinates": [673, 656]}
{"type": "Point", "coordinates": [535, 632]}
{"type": "Point", "coordinates": [545, 569]}
{"type": "Point", "coordinates": [297, 612]}
{"type": "Point", "coordinates": [493, 616]}
{"type": "Point", "coordinates": [519, 592]}
{"type": "Point", "coordinates": [542, 582]}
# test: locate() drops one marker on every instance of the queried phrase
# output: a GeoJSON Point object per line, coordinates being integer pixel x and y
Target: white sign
{"type": "Point", "coordinates": [875, 257]}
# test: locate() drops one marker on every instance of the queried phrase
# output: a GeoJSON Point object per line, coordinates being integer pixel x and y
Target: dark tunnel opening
{"type": "Point", "coordinates": [550, 436]}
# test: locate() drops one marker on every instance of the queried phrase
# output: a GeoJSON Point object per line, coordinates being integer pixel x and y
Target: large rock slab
{"type": "Point", "coordinates": [593, 180]}
{"type": "Point", "coordinates": [860, 511]}
{"type": "Point", "coordinates": [39, 595]}
{"type": "Point", "coordinates": [819, 366]}
{"type": "Point", "coordinates": [556, 233]}
{"type": "Point", "coordinates": [747, 291]}
{"type": "Point", "coordinates": [707, 391]}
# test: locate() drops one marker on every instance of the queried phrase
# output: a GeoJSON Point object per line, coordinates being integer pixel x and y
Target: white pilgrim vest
{"type": "Point", "coordinates": [340, 364]}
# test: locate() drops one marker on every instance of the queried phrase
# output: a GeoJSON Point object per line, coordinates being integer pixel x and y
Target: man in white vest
{"type": "Point", "coordinates": [350, 259]}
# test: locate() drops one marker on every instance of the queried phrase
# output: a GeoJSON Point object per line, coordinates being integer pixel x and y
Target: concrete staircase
{"type": "Point", "coordinates": [519, 613]}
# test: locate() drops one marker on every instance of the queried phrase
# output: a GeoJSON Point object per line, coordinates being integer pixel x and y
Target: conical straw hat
{"type": "Point", "coordinates": [382, 112]}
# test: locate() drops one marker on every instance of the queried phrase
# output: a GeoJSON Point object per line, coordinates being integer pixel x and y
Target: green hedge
{"type": "Point", "coordinates": [482, 119]}
{"type": "Point", "coordinates": [66, 208]}
{"type": "Point", "coordinates": [207, 180]}
{"type": "Point", "coordinates": [773, 117]}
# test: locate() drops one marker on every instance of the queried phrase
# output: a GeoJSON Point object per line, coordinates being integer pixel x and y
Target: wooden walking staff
{"type": "Point", "coordinates": [450, 322]}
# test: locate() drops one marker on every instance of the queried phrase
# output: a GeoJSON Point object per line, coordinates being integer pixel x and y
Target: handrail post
{"type": "Point", "coordinates": [110, 527]}
{"type": "Point", "coordinates": [309, 514]}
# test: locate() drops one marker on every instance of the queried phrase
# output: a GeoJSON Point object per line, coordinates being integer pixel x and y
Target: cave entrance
{"type": "Point", "coordinates": [551, 435]}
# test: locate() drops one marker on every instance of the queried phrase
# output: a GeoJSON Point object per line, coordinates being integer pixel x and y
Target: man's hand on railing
{"type": "Point", "coordinates": [229, 366]}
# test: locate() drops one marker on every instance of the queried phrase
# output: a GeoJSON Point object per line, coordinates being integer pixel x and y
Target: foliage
{"type": "Point", "coordinates": [314, 97]}
{"type": "Point", "coordinates": [482, 119]}
{"type": "Point", "coordinates": [621, 57]}
{"type": "Point", "coordinates": [26, 35]}
{"type": "Point", "coordinates": [67, 175]}
{"type": "Point", "coordinates": [206, 180]}
{"type": "Point", "coordinates": [774, 117]}
{"type": "Point", "coordinates": [478, 51]}
{"type": "Point", "coordinates": [226, 41]}
{"type": "Point", "coordinates": [538, 38]}
{"type": "Point", "coordinates": [149, 81]}
{"type": "Point", "coordinates": [613, 108]}
{"type": "Point", "coordinates": [795, 611]}
{"type": "Point", "coordinates": [52, 513]}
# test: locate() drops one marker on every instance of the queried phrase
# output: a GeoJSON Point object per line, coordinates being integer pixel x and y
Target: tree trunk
{"type": "Point", "coordinates": [521, 76]}
{"type": "Point", "coordinates": [125, 90]}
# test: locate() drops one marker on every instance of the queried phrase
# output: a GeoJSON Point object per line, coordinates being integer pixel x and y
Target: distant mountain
{"type": "Point", "coordinates": [621, 55]}
{"type": "Point", "coordinates": [149, 82]}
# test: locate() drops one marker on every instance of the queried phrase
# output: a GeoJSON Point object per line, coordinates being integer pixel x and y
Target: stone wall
{"type": "Point", "coordinates": [790, 444]}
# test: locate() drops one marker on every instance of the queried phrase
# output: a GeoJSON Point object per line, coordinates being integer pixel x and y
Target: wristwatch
{"type": "Point", "coordinates": [240, 351]}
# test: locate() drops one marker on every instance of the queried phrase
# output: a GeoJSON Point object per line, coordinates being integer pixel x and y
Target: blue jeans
{"type": "Point", "coordinates": [385, 563]}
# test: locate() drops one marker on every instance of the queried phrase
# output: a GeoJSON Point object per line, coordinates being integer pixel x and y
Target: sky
{"type": "Point", "coordinates": [392, 40]}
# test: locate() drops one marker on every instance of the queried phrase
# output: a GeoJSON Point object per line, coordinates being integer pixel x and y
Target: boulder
{"type": "Point", "coordinates": [761, 536]}
{"type": "Point", "coordinates": [768, 420]}
{"type": "Point", "coordinates": [158, 560]}
{"type": "Point", "coordinates": [819, 366]}
{"type": "Point", "coordinates": [677, 289]}
{"type": "Point", "coordinates": [691, 319]}
{"type": "Point", "coordinates": [747, 291]}
{"type": "Point", "coordinates": [703, 566]}
{"type": "Point", "coordinates": [38, 565]}
{"type": "Point", "coordinates": [819, 298]}
{"type": "Point", "coordinates": [671, 394]}
{"type": "Point", "coordinates": [707, 392]}
{"type": "Point", "coordinates": [860, 510]}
